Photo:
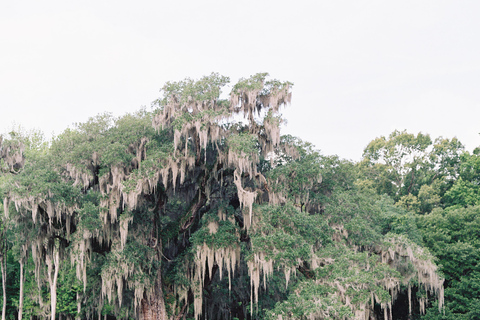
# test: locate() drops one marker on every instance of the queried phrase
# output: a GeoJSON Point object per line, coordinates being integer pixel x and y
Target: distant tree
{"type": "Point", "coordinates": [402, 157]}
{"type": "Point", "coordinates": [404, 163]}
{"type": "Point", "coordinates": [466, 189]}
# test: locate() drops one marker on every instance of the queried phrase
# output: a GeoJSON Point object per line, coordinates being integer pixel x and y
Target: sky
{"type": "Point", "coordinates": [361, 69]}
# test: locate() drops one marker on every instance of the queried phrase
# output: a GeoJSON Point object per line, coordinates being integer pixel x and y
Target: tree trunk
{"type": "Point", "coordinates": [153, 307]}
{"type": "Point", "coordinates": [79, 306]}
{"type": "Point", "coordinates": [153, 310]}
{"type": "Point", "coordinates": [20, 298]}
{"type": "Point", "coordinates": [52, 280]}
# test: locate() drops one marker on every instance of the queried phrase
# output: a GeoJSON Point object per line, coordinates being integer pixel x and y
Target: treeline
{"type": "Point", "coordinates": [186, 213]}
{"type": "Point", "coordinates": [435, 184]}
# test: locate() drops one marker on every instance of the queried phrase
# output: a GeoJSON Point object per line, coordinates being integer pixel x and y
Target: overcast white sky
{"type": "Point", "coordinates": [361, 68]}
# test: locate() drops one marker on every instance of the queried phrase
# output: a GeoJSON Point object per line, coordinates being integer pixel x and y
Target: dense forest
{"type": "Point", "coordinates": [201, 209]}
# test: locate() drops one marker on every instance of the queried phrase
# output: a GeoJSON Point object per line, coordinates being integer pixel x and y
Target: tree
{"type": "Point", "coordinates": [402, 157]}
{"type": "Point", "coordinates": [452, 235]}
{"type": "Point", "coordinates": [188, 210]}
{"type": "Point", "coordinates": [403, 164]}
{"type": "Point", "coordinates": [465, 190]}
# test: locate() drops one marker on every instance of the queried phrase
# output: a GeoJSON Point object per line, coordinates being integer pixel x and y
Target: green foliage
{"type": "Point", "coordinates": [299, 180]}
{"type": "Point", "coordinates": [358, 213]}
{"type": "Point", "coordinates": [69, 288]}
{"type": "Point", "coordinates": [462, 193]}
{"type": "Point", "coordinates": [287, 235]}
{"type": "Point", "coordinates": [89, 217]}
{"type": "Point", "coordinates": [206, 89]}
{"type": "Point", "coordinates": [428, 198]}
{"type": "Point", "coordinates": [403, 163]}
{"type": "Point", "coordinates": [399, 145]}
{"type": "Point", "coordinates": [400, 156]}
{"type": "Point", "coordinates": [453, 237]}
{"type": "Point", "coordinates": [337, 174]}
{"type": "Point", "coordinates": [243, 143]}
{"type": "Point", "coordinates": [225, 235]}
{"type": "Point", "coordinates": [40, 178]}
{"type": "Point", "coordinates": [395, 219]}
{"type": "Point", "coordinates": [353, 274]}
{"type": "Point", "coordinates": [255, 82]}
{"type": "Point", "coordinates": [409, 202]}
{"type": "Point", "coordinates": [111, 139]}
{"type": "Point", "coordinates": [13, 273]}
